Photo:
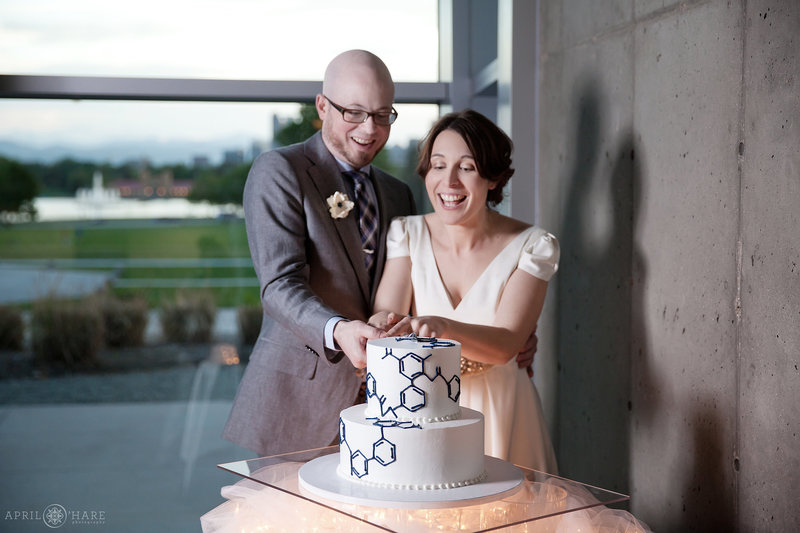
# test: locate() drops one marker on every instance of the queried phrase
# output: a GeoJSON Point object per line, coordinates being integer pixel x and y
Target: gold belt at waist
{"type": "Point", "coordinates": [469, 367]}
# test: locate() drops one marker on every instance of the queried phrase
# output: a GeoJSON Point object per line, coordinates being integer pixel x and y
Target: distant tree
{"type": "Point", "coordinates": [220, 188]}
{"type": "Point", "coordinates": [182, 172]}
{"type": "Point", "coordinates": [299, 129]}
{"type": "Point", "coordinates": [79, 177]}
{"type": "Point", "coordinates": [18, 189]}
{"type": "Point", "coordinates": [408, 173]}
{"type": "Point", "coordinates": [128, 170]}
{"type": "Point", "coordinates": [66, 176]}
{"type": "Point", "coordinates": [384, 162]}
{"type": "Point", "coordinates": [402, 163]}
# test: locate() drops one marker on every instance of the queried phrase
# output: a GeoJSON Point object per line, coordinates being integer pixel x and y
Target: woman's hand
{"type": "Point", "coordinates": [526, 354]}
{"type": "Point", "coordinates": [423, 326]}
{"type": "Point", "coordinates": [384, 320]}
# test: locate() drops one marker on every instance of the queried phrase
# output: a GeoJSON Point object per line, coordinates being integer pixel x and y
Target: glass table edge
{"type": "Point", "coordinates": [529, 474]}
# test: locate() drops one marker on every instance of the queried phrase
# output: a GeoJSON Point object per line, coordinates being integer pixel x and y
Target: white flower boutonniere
{"type": "Point", "coordinates": [339, 204]}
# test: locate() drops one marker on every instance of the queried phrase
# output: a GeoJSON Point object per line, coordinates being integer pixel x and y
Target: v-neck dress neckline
{"type": "Point", "coordinates": [509, 251]}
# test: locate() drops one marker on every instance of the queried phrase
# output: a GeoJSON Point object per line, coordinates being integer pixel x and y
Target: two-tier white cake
{"type": "Point", "coordinates": [412, 433]}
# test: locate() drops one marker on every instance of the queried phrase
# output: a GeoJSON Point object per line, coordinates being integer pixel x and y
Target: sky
{"type": "Point", "coordinates": [228, 39]}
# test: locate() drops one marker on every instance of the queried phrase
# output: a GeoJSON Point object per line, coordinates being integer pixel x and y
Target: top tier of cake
{"type": "Point", "coordinates": [413, 379]}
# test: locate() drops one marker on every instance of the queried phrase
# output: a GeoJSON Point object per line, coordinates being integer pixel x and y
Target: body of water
{"type": "Point", "coordinates": [54, 209]}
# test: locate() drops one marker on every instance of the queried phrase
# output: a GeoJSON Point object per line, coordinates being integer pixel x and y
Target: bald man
{"type": "Point", "coordinates": [316, 215]}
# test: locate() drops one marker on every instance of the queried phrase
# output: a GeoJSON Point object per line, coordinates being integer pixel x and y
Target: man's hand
{"type": "Point", "coordinates": [352, 337]}
{"type": "Point", "coordinates": [525, 356]}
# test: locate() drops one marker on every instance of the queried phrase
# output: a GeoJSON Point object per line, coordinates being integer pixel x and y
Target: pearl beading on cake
{"type": "Point", "coordinates": [404, 486]}
{"type": "Point", "coordinates": [429, 419]}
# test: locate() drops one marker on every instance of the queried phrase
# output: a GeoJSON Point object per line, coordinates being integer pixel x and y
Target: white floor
{"type": "Point", "coordinates": [140, 466]}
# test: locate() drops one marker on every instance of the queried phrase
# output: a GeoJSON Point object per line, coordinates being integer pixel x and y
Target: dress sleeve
{"type": "Point", "coordinates": [540, 255]}
{"type": "Point", "coordinates": [397, 239]}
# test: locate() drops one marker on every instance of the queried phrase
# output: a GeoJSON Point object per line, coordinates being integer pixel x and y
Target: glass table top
{"type": "Point", "coordinates": [538, 505]}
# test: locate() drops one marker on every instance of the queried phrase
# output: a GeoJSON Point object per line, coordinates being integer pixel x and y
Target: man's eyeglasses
{"type": "Point", "coordinates": [357, 116]}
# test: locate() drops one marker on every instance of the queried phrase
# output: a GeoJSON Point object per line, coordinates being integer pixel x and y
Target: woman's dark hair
{"type": "Point", "coordinates": [490, 147]}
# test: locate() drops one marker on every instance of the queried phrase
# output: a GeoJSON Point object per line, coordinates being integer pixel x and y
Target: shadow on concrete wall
{"type": "Point", "coordinates": [708, 504]}
{"type": "Point", "coordinates": [705, 496]}
{"type": "Point", "coordinates": [608, 388]}
{"type": "Point", "coordinates": [594, 298]}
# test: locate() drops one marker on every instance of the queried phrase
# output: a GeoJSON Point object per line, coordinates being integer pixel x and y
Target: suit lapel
{"type": "Point", "coordinates": [327, 179]}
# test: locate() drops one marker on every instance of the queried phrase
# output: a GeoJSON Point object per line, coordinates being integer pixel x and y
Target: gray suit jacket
{"type": "Point", "coordinates": [310, 268]}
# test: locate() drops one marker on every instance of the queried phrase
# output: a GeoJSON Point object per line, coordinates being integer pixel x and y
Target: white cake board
{"type": "Point", "coordinates": [319, 477]}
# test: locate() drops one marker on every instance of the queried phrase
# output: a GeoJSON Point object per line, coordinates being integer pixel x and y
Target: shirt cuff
{"type": "Point", "coordinates": [330, 342]}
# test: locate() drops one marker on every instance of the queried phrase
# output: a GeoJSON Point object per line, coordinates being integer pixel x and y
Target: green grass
{"type": "Point", "coordinates": [223, 297]}
{"type": "Point", "coordinates": [144, 240]}
{"type": "Point", "coordinates": [125, 239]}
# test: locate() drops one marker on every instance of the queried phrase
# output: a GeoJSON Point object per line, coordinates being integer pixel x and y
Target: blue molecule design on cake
{"type": "Point", "coordinates": [413, 366]}
{"type": "Point", "coordinates": [384, 452]}
{"type": "Point", "coordinates": [413, 386]}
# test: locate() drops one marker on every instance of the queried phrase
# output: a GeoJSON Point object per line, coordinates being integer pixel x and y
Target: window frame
{"type": "Point", "coordinates": [193, 90]}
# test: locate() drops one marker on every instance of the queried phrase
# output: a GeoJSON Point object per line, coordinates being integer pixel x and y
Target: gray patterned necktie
{"type": "Point", "coordinates": [367, 219]}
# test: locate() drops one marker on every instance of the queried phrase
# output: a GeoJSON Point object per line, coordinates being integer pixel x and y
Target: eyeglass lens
{"type": "Point", "coordinates": [384, 119]}
{"type": "Point", "coordinates": [357, 116]}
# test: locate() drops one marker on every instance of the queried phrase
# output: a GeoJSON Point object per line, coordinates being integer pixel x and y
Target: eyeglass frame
{"type": "Point", "coordinates": [367, 114]}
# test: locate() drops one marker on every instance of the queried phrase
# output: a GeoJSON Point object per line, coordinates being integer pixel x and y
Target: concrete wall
{"type": "Point", "coordinates": [669, 166]}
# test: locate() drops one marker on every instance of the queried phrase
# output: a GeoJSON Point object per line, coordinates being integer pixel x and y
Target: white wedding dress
{"type": "Point", "coordinates": [515, 428]}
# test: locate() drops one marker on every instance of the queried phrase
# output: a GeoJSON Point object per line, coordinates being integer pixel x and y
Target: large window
{"type": "Point", "coordinates": [137, 304]}
{"type": "Point", "coordinates": [216, 39]}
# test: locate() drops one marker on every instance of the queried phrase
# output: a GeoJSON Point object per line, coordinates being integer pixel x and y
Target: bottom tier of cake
{"type": "Point", "coordinates": [406, 455]}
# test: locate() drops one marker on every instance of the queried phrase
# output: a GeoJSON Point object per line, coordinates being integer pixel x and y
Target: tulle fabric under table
{"type": "Point", "coordinates": [254, 507]}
